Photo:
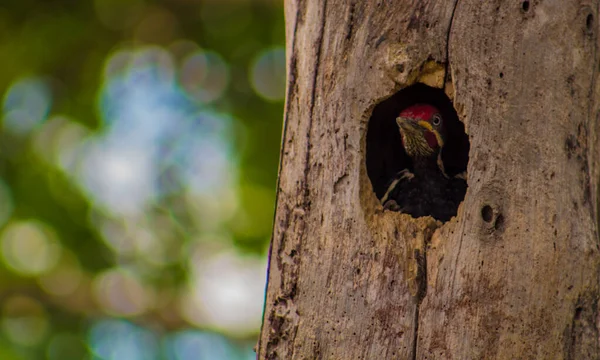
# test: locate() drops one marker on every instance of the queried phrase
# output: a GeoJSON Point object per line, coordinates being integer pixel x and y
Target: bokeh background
{"type": "Point", "coordinates": [139, 142]}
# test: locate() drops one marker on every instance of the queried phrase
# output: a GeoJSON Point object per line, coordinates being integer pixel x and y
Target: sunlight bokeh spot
{"type": "Point", "coordinates": [229, 288]}
{"type": "Point", "coordinates": [204, 76]}
{"type": "Point", "coordinates": [120, 340]}
{"type": "Point", "coordinates": [120, 178]}
{"type": "Point", "coordinates": [30, 247]}
{"type": "Point", "coordinates": [24, 320]}
{"type": "Point", "coordinates": [203, 154]}
{"type": "Point", "coordinates": [198, 345]}
{"type": "Point", "coordinates": [26, 104]}
{"type": "Point", "coordinates": [267, 74]}
{"type": "Point", "coordinates": [121, 293]}
{"type": "Point", "coordinates": [207, 166]}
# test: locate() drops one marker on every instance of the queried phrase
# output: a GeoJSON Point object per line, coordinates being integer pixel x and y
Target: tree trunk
{"type": "Point", "coordinates": [515, 275]}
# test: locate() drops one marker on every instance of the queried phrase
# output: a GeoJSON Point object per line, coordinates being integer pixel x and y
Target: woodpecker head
{"type": "Point", "coordinates": [422, 130]}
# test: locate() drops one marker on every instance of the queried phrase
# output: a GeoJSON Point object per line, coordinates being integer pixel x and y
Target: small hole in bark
{"type": "Point", "coordinates": [589, 22]}
{"type": "Point", "coordinates": [412, 181]}
{"type": "Point", "coordinates": [525, 6]}
{"type": "Point", "coordinates": [501, 75]}
{"type": "Point", "coordinates": [487, 214]}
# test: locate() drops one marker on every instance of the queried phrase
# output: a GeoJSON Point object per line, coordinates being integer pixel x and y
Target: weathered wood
{"type": "Point", "coordinates": [350, 281]}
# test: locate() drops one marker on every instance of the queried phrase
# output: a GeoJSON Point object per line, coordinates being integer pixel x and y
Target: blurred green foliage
{"type": "Point", "coordinates": [75, 263]}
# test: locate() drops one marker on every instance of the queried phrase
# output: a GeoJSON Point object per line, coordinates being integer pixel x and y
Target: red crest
{"type": "Point", "coordinates": [419, 111]}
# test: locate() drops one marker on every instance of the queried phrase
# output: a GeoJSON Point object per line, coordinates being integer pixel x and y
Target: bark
{"type": "Point", "coordinates": [516, 273]}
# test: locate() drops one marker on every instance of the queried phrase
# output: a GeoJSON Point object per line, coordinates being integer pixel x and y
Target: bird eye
{"type": "Point", "coordinates": [437, 119]}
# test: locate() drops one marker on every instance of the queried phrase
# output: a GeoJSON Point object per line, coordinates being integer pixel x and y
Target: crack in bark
{"type": "Point", "coordinates": [350, 25]}
{"type": "Point", "coordinates": [447, 72]}
{"type": "Point", "coordinates": [421, 259]}
{"type": "Point", "coordinates": [420, 256]}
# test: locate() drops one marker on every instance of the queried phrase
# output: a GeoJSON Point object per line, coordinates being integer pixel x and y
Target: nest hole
{"type": "Point", "coordinates": [487, 213]}
{"type": "Point", "coordinates": [386, 157]}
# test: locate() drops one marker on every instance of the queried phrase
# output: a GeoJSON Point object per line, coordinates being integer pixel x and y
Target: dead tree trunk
{"type": "Point", "coordinates": [515, 275]}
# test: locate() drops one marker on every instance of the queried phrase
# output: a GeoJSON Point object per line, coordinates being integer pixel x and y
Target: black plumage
{"type": "Point", "coordinates": [426, 192]}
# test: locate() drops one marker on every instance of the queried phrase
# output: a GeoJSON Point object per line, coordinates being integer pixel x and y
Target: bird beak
{"type": "Point", "coordinates": [410, 127]}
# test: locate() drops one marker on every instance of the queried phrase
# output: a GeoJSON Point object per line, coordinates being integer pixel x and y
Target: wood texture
{"type": "Point", "coordinates": [350, 281]}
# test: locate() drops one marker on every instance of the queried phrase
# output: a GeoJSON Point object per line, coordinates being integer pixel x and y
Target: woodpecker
{"type": "Point", "coordinates": [424, 188]}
